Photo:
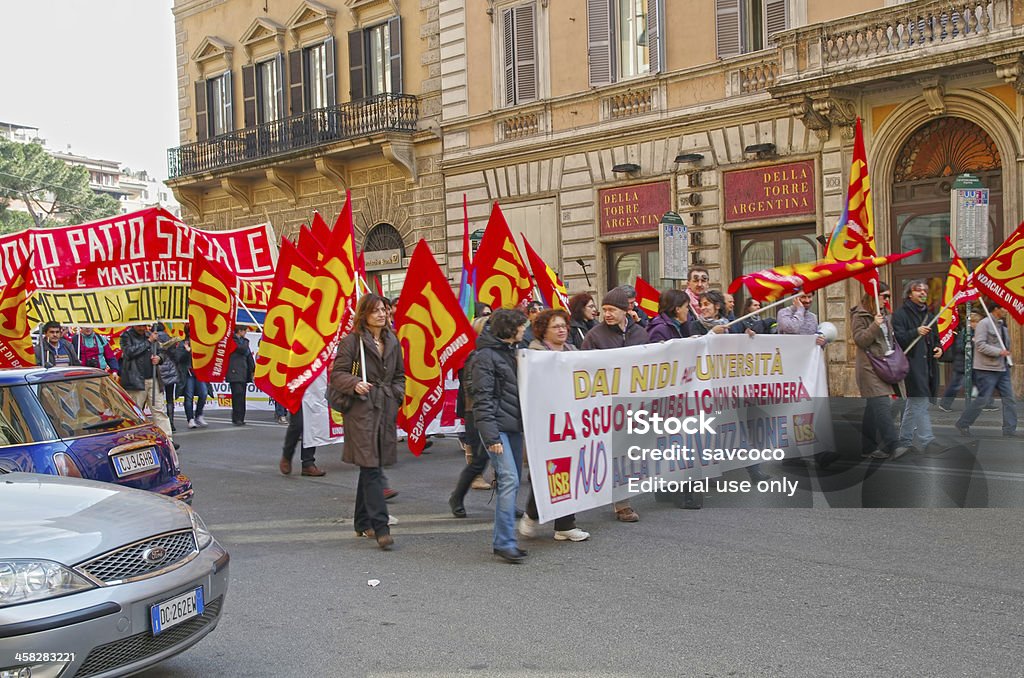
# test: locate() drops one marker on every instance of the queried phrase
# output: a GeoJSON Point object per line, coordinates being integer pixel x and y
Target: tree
{"type": "Point", "coordinates": [54, 192]}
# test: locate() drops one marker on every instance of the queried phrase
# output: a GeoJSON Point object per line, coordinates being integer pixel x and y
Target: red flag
{"type": "Point", "coordinates": [957, 291]}
{"type": "Point", "coordinates": [318, 326]}
{"type": "Point", "coordinates": [15, 334]}
{"type": "Point", "coordinates": [551, 288]}
{"type": "Point", "coordinates": [854, 237]}
{"type": "Point", "coordinates": [1001, 276]}
{"type": "Point", "coordinates": [435, 336]}
{"type": "Point", "coordinates": [345, 233]}
{"type": "Point", "coordinates": [212, 308]}
{"type": "Point", "coordinates": [647, 298]}
{"type": "Point", "coordinates": [291, 286]}
{"type": "Point", "coordinates": [501, 274]}
{"type": "Point", "coordinates": [774, 283]}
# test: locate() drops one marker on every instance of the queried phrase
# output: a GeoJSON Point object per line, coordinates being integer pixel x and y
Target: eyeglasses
{"type": "Point", "coordinates": [885, 296]}
{"type": "Point", "coordinates": [560, 326]}
{"type": "Point", "coordinates": [699, 278]}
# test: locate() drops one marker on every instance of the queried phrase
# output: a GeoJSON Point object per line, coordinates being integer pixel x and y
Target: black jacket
{"type": "Point", "coordinates": [578, 330]}
{"type": "Point", "coordinates": [241, 365]}
{"type": "Point", "coordinates": [494, 388]}
{"type": "Point", "coordinates": [922, 380]}
{"type": "Point", "coordinates": [136, 366]}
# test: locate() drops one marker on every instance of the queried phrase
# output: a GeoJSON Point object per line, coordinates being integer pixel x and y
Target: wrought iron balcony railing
{"type": "Point", "coordinates": [380, 113]}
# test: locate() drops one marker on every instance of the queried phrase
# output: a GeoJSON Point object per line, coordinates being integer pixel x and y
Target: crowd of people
{"type": "Point", "coordinates": [367, 384]}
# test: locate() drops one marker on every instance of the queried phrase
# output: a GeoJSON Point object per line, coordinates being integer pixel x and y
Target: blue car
{"type": "Point", "coordinates": [78, 422]}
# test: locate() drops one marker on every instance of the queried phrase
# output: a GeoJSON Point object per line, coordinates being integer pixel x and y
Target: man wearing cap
{"type": "Point", "coordinates": [615, 331]}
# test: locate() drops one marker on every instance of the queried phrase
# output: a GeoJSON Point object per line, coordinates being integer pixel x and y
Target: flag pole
{"type": "Point", "coordinates": [251, 316]}
{"type": "Point", "coordinates": [930, 323]}
{"type": "Point", "coordinates": [999, 334]}
{"type": "Point", "coordinates": [362, 349]}
{"type": "Point", "coordinates": [763, 308]}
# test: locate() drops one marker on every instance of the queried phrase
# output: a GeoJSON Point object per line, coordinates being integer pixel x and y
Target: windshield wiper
{"type": "Point", "coordinates": [105, 423]}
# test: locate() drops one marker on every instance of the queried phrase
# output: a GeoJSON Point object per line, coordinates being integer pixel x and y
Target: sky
{"type": "Point", "coordinates": [98, 75]}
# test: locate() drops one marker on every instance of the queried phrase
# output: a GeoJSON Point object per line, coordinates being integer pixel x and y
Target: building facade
{"type": "Point", "coordinates": [589, 119]}
{"type": "Point", "coordinates": [283, 106]}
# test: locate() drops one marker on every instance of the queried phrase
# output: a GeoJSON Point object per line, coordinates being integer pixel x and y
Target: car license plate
{"type": "Point", "coordinates": [136, 461]}
{"type": "Point", "coordinates": [176, 610]}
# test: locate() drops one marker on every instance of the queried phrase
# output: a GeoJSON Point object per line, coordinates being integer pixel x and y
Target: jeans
{"type": "Point", "coordinates": [238, 389]}
{"type": "Point", "coordinates": [988, 382]}
{"type": "Point", "coordinates": [371, 509]}
{"type": "Point", "coordinates": [916, 420]}
{"type": "Point", "coordinates": [506, 469]}
{"type": "Point", "coordinates": [193, 388]}
{"type": "Point", "coordinates": [280, 410]}
{"type": "Point", "coordinates": [952, 388]}
{"type": "Point", "coordinates": [293, 437]}
{"type": "Point", "coordinates": [878, 430]}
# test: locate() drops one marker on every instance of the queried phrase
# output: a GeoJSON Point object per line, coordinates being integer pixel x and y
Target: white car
{"type": "Point", "coordinates": [101, 580]}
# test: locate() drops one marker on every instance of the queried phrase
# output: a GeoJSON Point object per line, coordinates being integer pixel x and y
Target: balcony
{"type": "Point", "coordinates": [910, 37]}
{"type": "Point", "coordinates": [377, 114]}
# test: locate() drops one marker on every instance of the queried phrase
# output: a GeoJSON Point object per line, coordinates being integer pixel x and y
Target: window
{"type": "Point", "coordinates": [268, 90]}
{"type": "Point", "coordinates": [218, 97]}
{"type": "Point", "coordinates": [623, 39]}
{"type": "Point", "coordinates": [81, 407]}
{"type": "Point", "coordinates": [743, 26]}
{"type": "Point", "coordinates": [311, 81]}
{"type": "Point", "coordinates": [764, 248]}
{"type": "Point", "coordinates": [375, 59]}
{"type": "Point", "coordinates": [636, 258]}
{"type": "Point", "coordinates": [519, 54]}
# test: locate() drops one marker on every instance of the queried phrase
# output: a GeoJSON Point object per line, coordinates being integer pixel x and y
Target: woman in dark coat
{"type": "Point", "coordinates": [671, 321]}
{"type": "Point", "coordinates": [370, 406]}
{"type": "Point", "coordinates": [582, 317]}
{"type": "Point", "coordinates": [755, 324]}
{"type": "Point", "coordinates": [873, 333]}
{"type": "Point", "coordinates": [241, 367]}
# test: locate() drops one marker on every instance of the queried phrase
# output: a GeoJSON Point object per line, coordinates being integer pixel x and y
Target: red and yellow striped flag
{"type": "Point", "coordinates": [15, 335]}
{"type": "Point", "coordinates": [1001, 276]}
{"type": "Point", "coordinates": [551, 288]}
{"type": "Point", "coordinates": [647, 297]}
{"type": "Point", "coordinates": [957, 291]}
{"type": "Point", "coordinates": [774, 283]}
{"type": "Point", "coordinates": [854, 236]}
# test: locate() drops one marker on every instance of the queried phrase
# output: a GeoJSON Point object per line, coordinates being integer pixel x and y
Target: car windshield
{"type": "Point", "coordinates": [80, 407]}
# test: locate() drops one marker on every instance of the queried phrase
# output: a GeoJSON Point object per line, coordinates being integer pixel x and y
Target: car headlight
{"type": "Point", "coordinates": [202, 533]}
{"type": "Point", "coordinates": [23, 581]}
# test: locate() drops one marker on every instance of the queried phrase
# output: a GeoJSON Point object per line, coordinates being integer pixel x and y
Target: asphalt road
{"type": "Point", "coordinates": [736, 589]}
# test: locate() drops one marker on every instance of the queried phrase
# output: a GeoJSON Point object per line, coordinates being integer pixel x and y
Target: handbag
{"type": "Point", "coordinates": [892, 367]}
{"type": "Point", "coordinates": [343, 402]}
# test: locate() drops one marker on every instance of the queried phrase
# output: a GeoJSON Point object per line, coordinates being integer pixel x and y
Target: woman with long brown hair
{"type": "Point", "coordinates": [367, 386]}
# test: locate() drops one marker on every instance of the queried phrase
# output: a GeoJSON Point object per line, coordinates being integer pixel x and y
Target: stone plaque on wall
{"type": "Point", "coordinates": [633, 208]}
{"type": "Point", "coordinates": [767, 192]}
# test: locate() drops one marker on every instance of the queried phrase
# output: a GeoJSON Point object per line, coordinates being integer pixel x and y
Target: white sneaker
{"type": "Point", "coordinates": [192, 423]}
{"type": "Point", "coordinates": [528, 527]}
{"type": "Point", "coordinates": [201, 421]}
{"type": "Point", "coordinates": [392, 520]}
{"type": "Point", "coordinates": [575, 534]}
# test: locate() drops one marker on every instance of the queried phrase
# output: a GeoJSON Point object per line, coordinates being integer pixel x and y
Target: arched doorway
{"type": "Point", "coordinates": [384, 252]}
{"type": "Point", "coordinates": [923, 175]}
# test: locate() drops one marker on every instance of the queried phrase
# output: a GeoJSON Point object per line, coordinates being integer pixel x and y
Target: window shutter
{"type": "Point", "coordinates": [526, 53]}
{"type": "Point", "coordinates": [599, 42]}
{"type": "Point", "coordinates": [356, 71]}
{"type": "Point", "coordinates": [248, 96]}
{"type": "Point", "coordinates": [775, 18]}
{"type": "Point", "coordinates": [282, 111]}
{"type": "Point", "coordinates": [728, 28]}
{"type": "Point", "coordinates": [330, 82]}
{"type": "Point", "coordinates": [295, 82]}
{"type": "Point", "coordinates": [655, 51]}
{"type": "Point", "coordinates": [509, 60]}
{"type": "Point", "coordinates": [229, 95]}
{"type": "Point", "coordinates": [395, 27]}
{"type": "Point", "coordinates": [202, 125]}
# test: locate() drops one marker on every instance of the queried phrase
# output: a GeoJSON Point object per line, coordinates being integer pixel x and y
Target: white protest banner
{"type": "Point", "coordinates": [602, 425]}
